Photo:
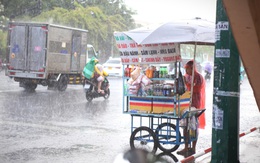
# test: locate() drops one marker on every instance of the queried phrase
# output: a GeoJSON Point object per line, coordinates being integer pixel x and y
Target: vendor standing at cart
{"type": "Point", "coordinates": [198, 99]}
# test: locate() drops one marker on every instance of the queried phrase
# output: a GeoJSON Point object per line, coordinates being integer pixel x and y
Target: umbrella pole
{"type": "Point", "coordinates": [139, 56]}
{"type": "Point", "coordinates": [192, 76]}
{"type": "Point", "coordinates": [192, 84]}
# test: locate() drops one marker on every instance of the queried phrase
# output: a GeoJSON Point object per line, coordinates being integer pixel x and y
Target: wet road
{"type": "Point", "coordinates": [52, 126]}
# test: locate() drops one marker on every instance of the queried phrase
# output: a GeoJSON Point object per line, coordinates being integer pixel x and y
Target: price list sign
{"type": "Point", "coordinates": [132, 53]}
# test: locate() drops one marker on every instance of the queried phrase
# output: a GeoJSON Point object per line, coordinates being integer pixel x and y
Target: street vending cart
{"type": "Point", "coordinates": [154, 95]}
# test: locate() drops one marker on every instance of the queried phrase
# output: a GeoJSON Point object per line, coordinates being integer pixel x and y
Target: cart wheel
{"type": "Point", "coordinates": [167, 136]}
{"type": "Point", "coordinates": [168, 157]}
{"type": "Point", "coordinates": [144, 138]}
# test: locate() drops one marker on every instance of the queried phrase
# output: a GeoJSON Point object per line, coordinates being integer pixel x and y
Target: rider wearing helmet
{"type": "Point", "coordinates": [100, 74]}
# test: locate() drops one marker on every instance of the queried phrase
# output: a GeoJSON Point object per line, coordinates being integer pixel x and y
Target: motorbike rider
{"type": "Point", "coordinates": [100, 74]}
{"type": "Point", "coordinates": [208, 69]}
{"type": "Point", "coordinates": [88, 71]}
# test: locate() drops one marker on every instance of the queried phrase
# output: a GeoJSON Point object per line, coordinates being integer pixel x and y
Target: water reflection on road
{"type": "Point", "coordinates": [52, 126]}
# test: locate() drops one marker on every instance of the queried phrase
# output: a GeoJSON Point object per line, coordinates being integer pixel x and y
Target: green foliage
{"type": "Point", "coordinates": [16, 8]}
{"type": "Point", "coordinates": [99, 25]}
{"type": "Point", "coordinates": [3, 38]}
{"type": "Point", "coordinates": [100, 17]}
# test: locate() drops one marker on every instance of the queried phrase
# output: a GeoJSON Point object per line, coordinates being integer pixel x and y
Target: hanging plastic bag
{"type": "Point", "coordinates": [193, 123]}
{"type": "Point", "coordinates": [88, 70]}
{"type": "Point", "coordinates": [180, 84]}
{"type": "Point", "coordinates": [136, 73]}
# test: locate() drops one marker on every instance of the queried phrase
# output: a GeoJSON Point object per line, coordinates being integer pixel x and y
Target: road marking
{"type": "Point", "coordinates": [85, 129]}
{"type": "Point", "coordinates": [6, 91]}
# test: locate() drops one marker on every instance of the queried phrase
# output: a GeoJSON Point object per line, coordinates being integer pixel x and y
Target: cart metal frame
{"type": "Point", "coordinates": [163, 130]}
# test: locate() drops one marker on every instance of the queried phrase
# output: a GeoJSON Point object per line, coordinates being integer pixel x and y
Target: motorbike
{"type": "Point", "coordinates": [207, 75]}
{"type": "Point", "coordinates": [91, 89]}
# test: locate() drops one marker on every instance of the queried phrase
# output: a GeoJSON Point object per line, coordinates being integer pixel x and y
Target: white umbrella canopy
{"type": "Point", "coordinates": [160, 44]}
{"type": "Point", "coordinates": [182, 31]}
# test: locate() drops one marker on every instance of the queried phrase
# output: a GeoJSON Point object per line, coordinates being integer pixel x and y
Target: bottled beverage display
{"type": "Point", "coordinates": [159, 87]}
{"type": "Point", "coordinates": [151, 89]}
{"type": "Point", "coordinates": [167, 90]}
{"type": "Point", "coordinates": [149, 72]}
{"type": "Point", "coordinates": [127, 71]}
{"type": "Point", "coordinates": [165, 72]}
{"type": "Point", "coordinates": [156, 74]}
{"type": "Point", "coordinates": [132, 68]}
{"type": "Point", "coordinates": [162, 90]}
{"type": "Point", "coordinates": [161, 72]}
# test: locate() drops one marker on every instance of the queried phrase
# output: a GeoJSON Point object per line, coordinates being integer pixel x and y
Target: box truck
{"type": "Point", "coordinates": [47, 54]}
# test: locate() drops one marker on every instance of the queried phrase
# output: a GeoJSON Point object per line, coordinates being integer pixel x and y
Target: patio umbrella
{"type": "Point", "coordinates": [183, 31]}
{"type": "Point", "coordinates": [163, 40]}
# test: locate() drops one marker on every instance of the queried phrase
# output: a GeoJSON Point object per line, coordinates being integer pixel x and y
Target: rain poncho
{"type": "Point", "coordinates": [198, 96]}
{"type": "Point", "coordinates": [88, 70]}
{"type": "Point", "coordinates": [99, 70]}
{"type": "Point", "coordinates": [208, 67]}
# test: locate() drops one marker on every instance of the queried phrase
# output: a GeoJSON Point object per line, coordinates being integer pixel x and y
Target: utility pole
{"type": "Point", "coordinates": [225, 119]}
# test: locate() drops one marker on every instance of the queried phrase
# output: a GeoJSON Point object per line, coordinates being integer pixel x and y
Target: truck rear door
{"type": "Point", "coordinates": [76, 52]}
{"type": "Point", "coordinates": [27, 49]}
{"type": "Point", "coordinates": [36, 48]}
{"type": "Point", "coordinates": [18, 47]}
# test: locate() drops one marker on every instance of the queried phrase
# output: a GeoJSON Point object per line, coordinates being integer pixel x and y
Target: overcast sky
{"type": "Point", "coordinates": [160, 11]}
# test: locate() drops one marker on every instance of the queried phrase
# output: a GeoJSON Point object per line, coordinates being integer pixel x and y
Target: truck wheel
{"type": "Point", "coordinates": [62, 83]}
{"type": "Point", "coordinates": [30, 86]}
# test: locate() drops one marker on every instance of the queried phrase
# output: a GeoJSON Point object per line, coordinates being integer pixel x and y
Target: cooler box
{"type": "Point", "coordinates": [184, 102]}
{"type": "Point", "coordinates": [161, 105]}
{"type": "Point", "coordinates": [140, 104]}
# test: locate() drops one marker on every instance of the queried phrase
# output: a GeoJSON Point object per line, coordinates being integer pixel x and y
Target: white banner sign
{"type": "Point", "coordinates": [222, 53]}
{"type": "Point", "coordinates": [132, 53]}
{"type": "Point", "coordinates": [222, 25]}
{"type": "Point", "coordinates": [218, 118]}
